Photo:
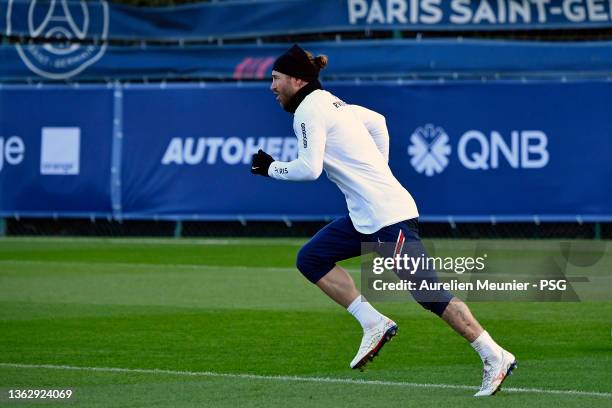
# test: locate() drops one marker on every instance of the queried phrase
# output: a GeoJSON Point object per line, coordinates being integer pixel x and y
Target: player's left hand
{"type": "Point", "coordinates": [261, 163]}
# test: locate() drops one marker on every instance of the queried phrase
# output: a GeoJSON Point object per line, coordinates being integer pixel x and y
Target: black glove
{"type": "Point", "coordinates": [261, 163]}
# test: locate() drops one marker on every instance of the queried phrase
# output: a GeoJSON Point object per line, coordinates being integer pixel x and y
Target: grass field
{"type": "Point", "coordinates": [199, 323]}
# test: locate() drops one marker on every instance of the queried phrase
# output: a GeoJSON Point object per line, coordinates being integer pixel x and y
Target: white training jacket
{"type": "Point", "coordinates": [351, 143]}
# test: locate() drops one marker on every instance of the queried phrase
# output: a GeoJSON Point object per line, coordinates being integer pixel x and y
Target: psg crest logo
{"type": "Point", "coordinates": [57, 29]}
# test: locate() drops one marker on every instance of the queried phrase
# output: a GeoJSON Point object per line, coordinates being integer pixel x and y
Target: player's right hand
{"type": "Point", "coordinates": [261, 163]}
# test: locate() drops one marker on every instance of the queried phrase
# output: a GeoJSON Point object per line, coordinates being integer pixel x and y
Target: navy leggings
{"type": "Point", "coordinates": [340, 240]}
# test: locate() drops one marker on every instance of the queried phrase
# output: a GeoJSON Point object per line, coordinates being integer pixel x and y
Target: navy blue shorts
{"type": "Point", "coordinates": [339, 240]}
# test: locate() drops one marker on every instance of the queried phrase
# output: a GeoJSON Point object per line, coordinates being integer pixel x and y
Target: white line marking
{"type": "Point", "coordinates": [156, 241]}
{"type": "Point", "coordinates": [156, 266]}
{"type": "Point", "coordinates": [327, 380]}
{"type": "Point", "coordinates": [138, 265]}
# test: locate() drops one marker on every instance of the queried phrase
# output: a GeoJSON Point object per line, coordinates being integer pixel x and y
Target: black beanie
{"type": "Point", "coordinates": [296, 63]}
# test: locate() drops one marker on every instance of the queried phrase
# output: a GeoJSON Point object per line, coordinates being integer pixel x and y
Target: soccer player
{"type": "Point", "coordinates": [351, 143]}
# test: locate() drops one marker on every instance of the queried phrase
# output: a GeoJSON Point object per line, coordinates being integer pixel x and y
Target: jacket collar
{"type": "Point", "coordinates": [299, 96]}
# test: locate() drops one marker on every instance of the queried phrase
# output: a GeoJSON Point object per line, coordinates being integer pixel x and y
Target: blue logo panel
{"type": "Point", "coordinates": [55, 151]}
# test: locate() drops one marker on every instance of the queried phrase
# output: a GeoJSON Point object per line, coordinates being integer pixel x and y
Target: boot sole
{"type": "Point", "coordinates": [389, 334]}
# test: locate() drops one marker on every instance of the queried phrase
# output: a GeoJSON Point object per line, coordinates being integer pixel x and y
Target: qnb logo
{"type": "Point", "coordinates": [231, 150]}
{"type": "Point", "coordinates": [12, 151]}
{"type": "Point", "coordinates": [66, 23]}
{"type": "Point", "coordinates": [429, 150]}
{"type": "Point", "coordinates": [525, 149]}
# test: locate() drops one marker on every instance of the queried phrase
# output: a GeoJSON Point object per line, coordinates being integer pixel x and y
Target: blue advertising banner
{"type": "Point", "coordinates": [55, 151]}
{"type": "Point", "coordinates": [348, 60]}
{"type": "Point", "coordinates": [502, 151]}
{"type": "Point", "coordinates": [188, 152]}
{"type": "Point", "coordinates": [70, 19]}
{"type": "Point", "coordinates": [472, 151]}
{"type": "Point", "coordinates": [467, 151]}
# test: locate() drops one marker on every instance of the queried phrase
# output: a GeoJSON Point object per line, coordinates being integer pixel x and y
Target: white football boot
{"type": "Point", "coordinates": [373, 340]}
{"type": "Point", "coordinates": [495, 372]}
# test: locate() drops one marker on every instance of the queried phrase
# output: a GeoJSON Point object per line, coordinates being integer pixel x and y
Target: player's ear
{"type": "Point", "coordinates": [299, 82]}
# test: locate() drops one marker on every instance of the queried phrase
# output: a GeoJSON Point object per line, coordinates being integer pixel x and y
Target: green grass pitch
{"type": "Point", "coordinates": [216, 323]}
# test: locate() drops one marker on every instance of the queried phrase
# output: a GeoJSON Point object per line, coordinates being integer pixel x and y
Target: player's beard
{"type": "Point", "coordinates": [285, 93]}
{"type": "Point", "coordinates": [283, 97]}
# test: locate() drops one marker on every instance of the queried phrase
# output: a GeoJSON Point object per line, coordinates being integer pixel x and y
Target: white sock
{"type": "Point", "coordinates": [367, 316]}
{"type": "Point", "coordinates": [486, 347]}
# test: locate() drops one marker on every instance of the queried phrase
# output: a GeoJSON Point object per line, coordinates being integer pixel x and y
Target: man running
{"type": "Point", "coordinates": [351, 143]}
